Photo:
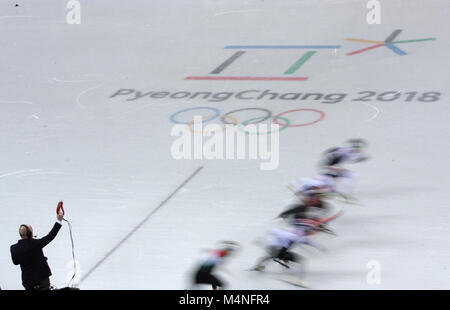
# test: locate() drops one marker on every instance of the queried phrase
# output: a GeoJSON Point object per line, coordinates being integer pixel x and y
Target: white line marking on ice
{"type": "Point", "coordinates": [16, 101]}
{"type": "Point", "coordinates": [21, 172]}
{"type": "Point", "coordinates": [377, 111]}
{"type": "Point", "coordinates": [95, 87]}
{"type": "Point", "coordinates": [14, 16]}
{"type": "Point", "coordinates": [138, 226]}
{"type": "Point", "coordinates": [37, 173]}
{"type": "Point", "coordinates": [71, 81]}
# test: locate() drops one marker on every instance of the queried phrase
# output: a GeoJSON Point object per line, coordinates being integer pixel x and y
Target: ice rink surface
{"type": "Point", "coordinates": [63, 135]}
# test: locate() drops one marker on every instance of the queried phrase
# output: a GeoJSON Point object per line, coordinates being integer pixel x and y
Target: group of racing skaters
{"type": "Point", "coordinates": [308, 215]}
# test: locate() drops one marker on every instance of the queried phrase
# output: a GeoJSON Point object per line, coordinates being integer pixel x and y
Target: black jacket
{"type": "Point", "coordinates": [29, 255]}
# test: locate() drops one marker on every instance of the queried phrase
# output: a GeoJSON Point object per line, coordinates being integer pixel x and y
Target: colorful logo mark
{"type": "Point", "coordinates": [389, 43]}
{"type": "Point", "coordinates": [291, 70]}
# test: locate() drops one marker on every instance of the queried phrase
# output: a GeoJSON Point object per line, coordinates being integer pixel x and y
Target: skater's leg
{"type": "Point", "coordinates": [216, 283]}
{"type": "Point", "coordinates": [271, 253]}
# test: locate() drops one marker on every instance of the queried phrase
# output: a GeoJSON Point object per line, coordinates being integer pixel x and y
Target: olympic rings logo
{"type": "Point", "coordinates": [230, 121]}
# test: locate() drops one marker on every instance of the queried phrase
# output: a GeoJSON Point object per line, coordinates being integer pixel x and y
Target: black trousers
{"type": "Point", "coordinates": [42, 286]}
{"type": "Point", "coordinates": [286, 255]}
{"type": "Point", "coordinates": [204, 277]}
{"type": "Point", "coordinates": [281, 254]}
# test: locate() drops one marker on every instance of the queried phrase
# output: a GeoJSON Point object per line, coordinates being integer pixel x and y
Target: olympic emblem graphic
{"type": "Point", "coordinates": [388, 42]}
{"type": "Point", "coordinates": [229, 119]}
{"type": "Point", "coordinates": [214, 75]}
{"type": "Point", "coordinates": [288, 75]}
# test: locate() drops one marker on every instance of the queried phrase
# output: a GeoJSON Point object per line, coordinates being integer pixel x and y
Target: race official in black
{"type": "Point", "coordinates": [28, 253]}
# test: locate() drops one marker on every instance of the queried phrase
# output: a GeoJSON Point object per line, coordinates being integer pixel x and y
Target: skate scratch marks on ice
{"type": "Point", "coordinates": [34, 115]}
{"type": "Point", "coordinates": [377, 111]}
{"type": "Point", "coordinates": [16, 101]}
{"type": "Point", "coordinates": [28, 173]}
{"type": "Point", "coordinates": [86, 91]}
{"type": "Point", "coordinates": [92, 88]}
{"type": "Point", "coordinates": [22, 172]}
{"type": "Point", "coordinates": [71, 81]}
{"type": "Point", "coordinates": [15, 16]}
